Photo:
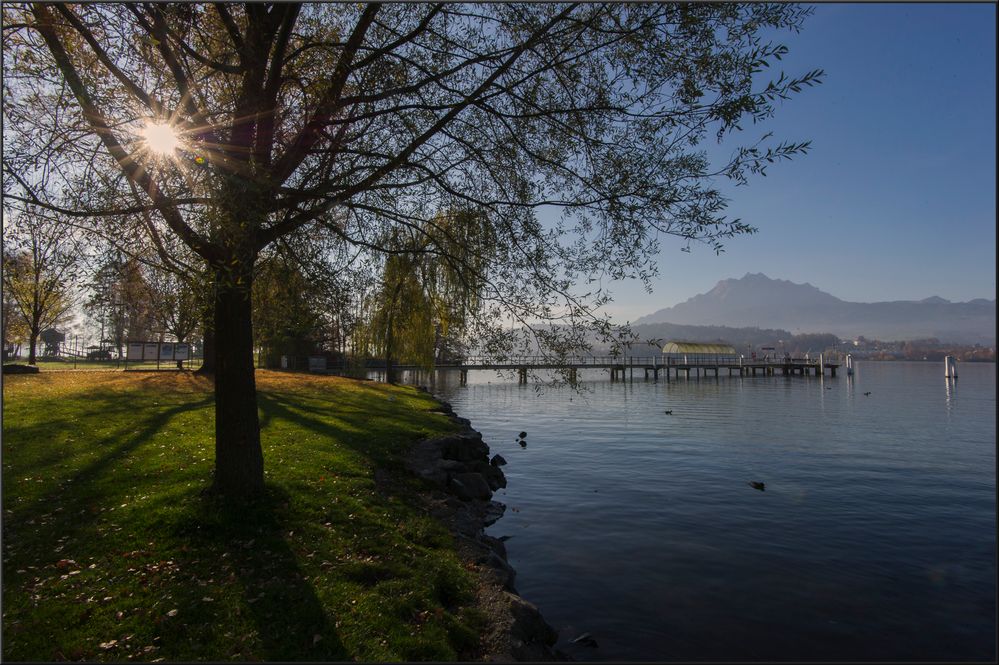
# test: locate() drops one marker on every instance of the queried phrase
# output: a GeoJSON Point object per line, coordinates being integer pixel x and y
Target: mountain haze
{"type": "Point", "coordinates": [757, 300]}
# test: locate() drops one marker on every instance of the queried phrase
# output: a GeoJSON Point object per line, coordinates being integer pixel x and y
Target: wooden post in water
{"type": "Point", "coordinates": [950, 367]}
{"type": "Point", "coordinates": [849, 365]}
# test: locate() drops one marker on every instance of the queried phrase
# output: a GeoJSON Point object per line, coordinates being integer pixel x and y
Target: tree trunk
{"type": "Point", "coordinates": [389, 372]}
{"type": "Point", "coordinates": [239, 462]}
{"type": "Point", "coordinates": [207, 349]}
{"type": "Point", "coordinates": [32, 343]}
{"type": "Point", "coordinates": [180, 340]}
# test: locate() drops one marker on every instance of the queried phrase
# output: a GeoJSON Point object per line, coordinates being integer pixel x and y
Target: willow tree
{"type": "Point", "coordinates": [242, 123]}
{"type": "Point", "coordinates": [429, 291]}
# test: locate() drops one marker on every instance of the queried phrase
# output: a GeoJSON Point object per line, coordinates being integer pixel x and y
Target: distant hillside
{"type": "Point", "coordinates": [745, 340]}
{"type": "Point", "coordinates": [757, 300]}
{"type": "Point", "coordinates": [738, 337]}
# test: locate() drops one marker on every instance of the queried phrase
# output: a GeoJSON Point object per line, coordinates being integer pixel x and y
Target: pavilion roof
{"type": "Point", "coordinates": [699, 348]}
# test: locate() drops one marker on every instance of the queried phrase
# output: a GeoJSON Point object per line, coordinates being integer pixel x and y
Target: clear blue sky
{"type": "Point", "coordinates": [897, 199]}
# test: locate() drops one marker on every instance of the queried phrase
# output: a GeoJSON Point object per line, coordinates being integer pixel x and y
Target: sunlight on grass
{"type": "Point", "coordinates": [111, 551]}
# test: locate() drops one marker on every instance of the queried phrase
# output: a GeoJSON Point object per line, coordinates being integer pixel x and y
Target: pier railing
{"type": "Point", "coordinates": [620, 366]}
{"type": "Point", "coordinates": [517, 362]}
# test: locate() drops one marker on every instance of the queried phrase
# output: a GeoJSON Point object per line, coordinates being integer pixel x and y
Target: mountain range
{"type": "Point", "coordinates": [759, 301]}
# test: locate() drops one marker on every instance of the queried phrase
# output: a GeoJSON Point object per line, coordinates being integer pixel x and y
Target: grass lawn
{"type": "Point", "coordinates": [111, 552]}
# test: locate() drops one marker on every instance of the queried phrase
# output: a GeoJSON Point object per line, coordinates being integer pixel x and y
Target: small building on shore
{"type": "Point", "coordinates": [699, 353]}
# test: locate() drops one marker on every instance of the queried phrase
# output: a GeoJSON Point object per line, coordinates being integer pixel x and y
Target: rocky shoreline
{"type": "Point", "coordinates": [464, 478]}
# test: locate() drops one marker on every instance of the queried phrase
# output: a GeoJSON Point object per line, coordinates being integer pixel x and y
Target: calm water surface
{"type": "Point", "coordinates": [875, 538]}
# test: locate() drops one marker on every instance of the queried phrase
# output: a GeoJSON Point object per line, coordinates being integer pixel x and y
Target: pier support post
{"type": "Point", "coordinates": [463, 377]}
{"type": "Point", "coordinates": [522, 375]}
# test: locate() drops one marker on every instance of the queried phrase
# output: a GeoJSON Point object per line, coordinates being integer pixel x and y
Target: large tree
{"type": "Point", "coordinates": [40, 263]}
{"type": "Point", "coordinates": [121, 298]}
{"type": "Point", "coordinates": [286, 318]}
{"type": "Point", "coordinates": [14, 331]}
{"type": "Point", "coordinates": [240, 124]}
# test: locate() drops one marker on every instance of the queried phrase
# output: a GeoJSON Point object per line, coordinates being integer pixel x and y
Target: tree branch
{"type": "Point", "coordinates": [126, 162]}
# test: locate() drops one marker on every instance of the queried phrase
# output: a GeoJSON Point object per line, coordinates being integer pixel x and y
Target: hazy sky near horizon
{"type": "Point", "coordinates": [897, 198]}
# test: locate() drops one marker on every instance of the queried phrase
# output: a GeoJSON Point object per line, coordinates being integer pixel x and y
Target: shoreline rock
{"type": "Point", "coordinates": [463, 479]}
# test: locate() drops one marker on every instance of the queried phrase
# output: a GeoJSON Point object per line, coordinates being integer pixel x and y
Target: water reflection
{"type": "Point", "coordinates": [950, 386]}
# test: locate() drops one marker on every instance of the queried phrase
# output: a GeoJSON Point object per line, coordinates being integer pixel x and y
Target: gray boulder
{"type": "Point", "coordinates": [494, 476]}
{"type": "Point", "coordinates": [530, 634]}
{"type": "Point", "coordinates": [471, 486]}
{"type": "Point", "coordinates": [465, 447]}
{"type": "Point", "coordinates": [493, 511]}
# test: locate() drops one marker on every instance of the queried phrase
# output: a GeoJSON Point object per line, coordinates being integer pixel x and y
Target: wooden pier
{"type": "Point", "coordinates": [652, 367]}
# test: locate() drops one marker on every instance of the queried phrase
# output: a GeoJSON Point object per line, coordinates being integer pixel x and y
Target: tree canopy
{"type": "Point", "coordinates": [230, 126]}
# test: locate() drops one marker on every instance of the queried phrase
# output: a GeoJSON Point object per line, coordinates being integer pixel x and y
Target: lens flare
{"type": "Point", "coordinates": [160, 138]}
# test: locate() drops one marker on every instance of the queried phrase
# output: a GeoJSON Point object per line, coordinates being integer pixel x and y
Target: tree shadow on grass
{"type": "Point", "coordinates": [86, 482]}
{"type": "Point", "coordinates": [247, 540]}
{"type": "Point", "coordinates": [353, 429]}
{"type": "Point", "coordinates": [104, 407]}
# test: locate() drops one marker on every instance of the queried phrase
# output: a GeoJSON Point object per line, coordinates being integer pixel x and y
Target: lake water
{"type": "Point", "coordinates": [874, 539]}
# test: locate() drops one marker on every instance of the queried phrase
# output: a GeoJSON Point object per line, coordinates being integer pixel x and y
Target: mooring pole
{"type": "Point", "coordinates": [950, 367]}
